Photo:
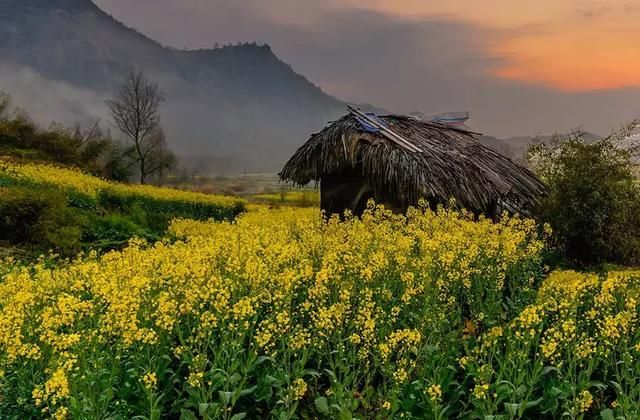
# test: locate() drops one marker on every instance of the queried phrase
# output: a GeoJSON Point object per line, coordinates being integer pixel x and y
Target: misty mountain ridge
{"type": "Point", "coordinates": [231, 109]}
{"type": "Point", "coordinates": [239, 107]}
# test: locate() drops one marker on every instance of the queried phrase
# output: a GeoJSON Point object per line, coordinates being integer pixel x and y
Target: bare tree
{"type": "Point", "coordinates": [136, 112]}
{"type": "Point", "coordinates": [5, 105]}
{"type": "Point", "coordinates": [85, 132]}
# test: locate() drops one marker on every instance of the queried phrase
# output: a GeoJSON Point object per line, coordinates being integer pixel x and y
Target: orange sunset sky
{"type": "Point", "coordinates": [572, 45]}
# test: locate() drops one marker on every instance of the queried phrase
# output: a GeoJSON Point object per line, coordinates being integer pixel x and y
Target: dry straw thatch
{"type": "Point", "coordinates": [452, 165]}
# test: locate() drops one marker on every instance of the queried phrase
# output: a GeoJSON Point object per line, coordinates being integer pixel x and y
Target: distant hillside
{"type": "Point", "coordinates": [239, 107]}
{"type": "Point", "coordinates": [516, 147]}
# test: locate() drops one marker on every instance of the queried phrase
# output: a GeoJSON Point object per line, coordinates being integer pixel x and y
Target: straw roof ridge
{"type": "Point", "coordinates": [453, 164]}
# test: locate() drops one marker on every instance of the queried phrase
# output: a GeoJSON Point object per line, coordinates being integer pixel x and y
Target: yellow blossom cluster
{"type": "Point", "coordinates": [580, 328]}
{"type": "Point", "coordinates": [582, 313]}
{"type": "Point", "coordinates": [584, 401]}
{"type": "Point", "coordinates": [434, 392]}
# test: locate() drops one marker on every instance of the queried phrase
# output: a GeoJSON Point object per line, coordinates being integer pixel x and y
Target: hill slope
{"type": "Point", "coordinates": [239, 107]}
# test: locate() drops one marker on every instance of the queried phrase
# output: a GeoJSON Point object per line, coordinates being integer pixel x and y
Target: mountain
{"type": "Point", "coordinates": [236, 108]}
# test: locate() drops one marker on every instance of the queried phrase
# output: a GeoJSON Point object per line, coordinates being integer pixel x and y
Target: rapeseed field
{"type": "Point", "coordinates": [284, 314]}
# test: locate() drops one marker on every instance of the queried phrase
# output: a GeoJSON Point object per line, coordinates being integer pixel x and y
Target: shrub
{"type": "Point", "coordinates": [113, 195]}
{"type": "Point", "coordinates": [49, 207]}
{"type": "Point", "coordinates": [39, 217]}
{"type": "Point", "coordinates": [593, 203]}
{"type": "Point", "coordinates": [113, 231]}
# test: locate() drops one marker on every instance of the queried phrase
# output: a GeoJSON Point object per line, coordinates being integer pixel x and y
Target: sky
{"type": "Point", "coordinates": [519, 67]}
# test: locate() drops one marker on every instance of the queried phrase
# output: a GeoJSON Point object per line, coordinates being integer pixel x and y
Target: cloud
{"type": "Point", "coordinates": [49, 100]}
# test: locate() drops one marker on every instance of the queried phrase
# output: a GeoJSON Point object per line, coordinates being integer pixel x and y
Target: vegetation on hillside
{"type": "Point", "coordinates": [285, 197]}
{"type": "Point", "coordinates": [252, 104]}
{"type": "Point", "coordinates": [83, 145]}
{"type": "Point", "coordinates": [48, 207]}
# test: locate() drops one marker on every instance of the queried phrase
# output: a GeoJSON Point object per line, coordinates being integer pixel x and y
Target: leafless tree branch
{"type": "Point", "coordinates": [136, 112]}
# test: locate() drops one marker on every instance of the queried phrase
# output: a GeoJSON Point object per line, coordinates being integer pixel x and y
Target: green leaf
{"type": "Point", "coordinates": [311, 372]}
{"type": "Point", "coordinates": [270, 379]}
{"type": "Point", "coordinates": [248, 391]}
{"type": "Point", "coordinates": [512, 408]}
{"type": "Point", "coordinates": [617, 386]}
{"type": "Point", "coordinates": [202, 409]}
{"type": "Point", "coordinates": [555, 391]}
{"type": "Point", "coordinates": [260, 360]}
{"type": "Point", "coordinates": [156, 413]}
{"type": "Point", "coordinates": [225, 396]}
{"type": "Point", "coordinates": [534, 403]}
{"type": "Point", "coordinates": [345, 414]}
{"type": "Point", "coordinates": [322, 405]}
{"type": "Point", "coordinates": [187, 415]}
{"type": "Point", "coordinates": [238, 416]}
{"type": "Point", "coordinates": [607, 414]}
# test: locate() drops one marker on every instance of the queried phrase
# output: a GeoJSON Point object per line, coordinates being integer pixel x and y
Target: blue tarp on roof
{"type": "Point", "coordinates": [368, 127]}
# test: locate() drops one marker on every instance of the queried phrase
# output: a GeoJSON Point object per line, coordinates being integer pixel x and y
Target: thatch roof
{"type": "Point", "coordinates": [452, 164]}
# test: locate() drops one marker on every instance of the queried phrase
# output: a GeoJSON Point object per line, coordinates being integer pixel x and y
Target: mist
{"type": "Point", "coordinates": [47, 100]}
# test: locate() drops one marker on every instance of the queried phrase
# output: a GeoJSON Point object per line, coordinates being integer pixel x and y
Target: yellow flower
{"type": "Point", "coordinates": [379, 289]}
{"type": "Point", "coordinates": [298, 389]}
{"type": "Point", "coordinates": [434, 392]}
{"type": "Point", "coordinates": [76, 180]}
{"type": "Point", "coordinates": [584, 401]}
{"type": "Point", "coordinates": [464, 361]}
{"type": "Point", "coordinates": [480, 391]}
{"type": "Point", "coordinates": [62, 413]}
{"type": "Point", "coordinates": [400, 375]}
{"type": "Point", "coordinates": [149, 380]}
{"type": "Point", "coordinates": [195, 379]}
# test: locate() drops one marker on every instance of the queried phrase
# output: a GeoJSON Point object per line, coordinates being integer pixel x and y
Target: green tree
{"type": "Point", "coordinates": [593, 203]}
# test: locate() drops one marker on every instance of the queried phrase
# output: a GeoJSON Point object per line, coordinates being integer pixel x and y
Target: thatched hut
{"type": "Point", "coordinates": [397, 160]}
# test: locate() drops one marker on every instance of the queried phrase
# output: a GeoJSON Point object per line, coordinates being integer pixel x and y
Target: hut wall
{"type": "Point", "coordinates": [348, 191]}
{"type": "Point", "coordinates": [352, 191]}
